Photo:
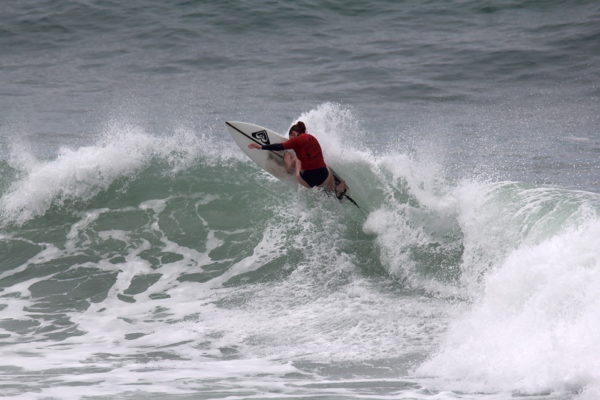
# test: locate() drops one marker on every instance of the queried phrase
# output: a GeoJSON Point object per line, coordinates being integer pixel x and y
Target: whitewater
{"type": "Point", "coordinates": [142, 266]}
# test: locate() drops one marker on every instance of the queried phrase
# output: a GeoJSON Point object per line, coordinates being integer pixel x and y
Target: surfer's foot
{"type": "Point", "coordinates": [340, 190]}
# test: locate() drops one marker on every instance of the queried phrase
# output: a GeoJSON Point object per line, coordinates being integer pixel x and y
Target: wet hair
{"type": "Point", "coordinates": [300, 127]}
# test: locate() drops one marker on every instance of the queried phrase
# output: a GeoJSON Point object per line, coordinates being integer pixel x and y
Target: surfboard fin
{"type": "Point", "coordinates": [351, 200]}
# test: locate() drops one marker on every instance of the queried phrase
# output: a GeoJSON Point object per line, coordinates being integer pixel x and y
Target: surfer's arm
{"type": "Point", "coordinates": [275, 147]}
{"type": "Point", "coordinates": [288, 144]}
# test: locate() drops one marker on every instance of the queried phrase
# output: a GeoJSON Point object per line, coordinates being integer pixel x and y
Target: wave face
{"type": "Point", "coordinates": [144, 260]}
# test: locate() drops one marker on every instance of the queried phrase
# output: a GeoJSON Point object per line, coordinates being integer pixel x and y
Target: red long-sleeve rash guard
{"type": "Point", "coordinates": [307, 150]}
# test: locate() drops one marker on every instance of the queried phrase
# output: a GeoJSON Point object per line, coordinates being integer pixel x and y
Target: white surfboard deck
{"type": "Point", "coordinates": [271, 161]}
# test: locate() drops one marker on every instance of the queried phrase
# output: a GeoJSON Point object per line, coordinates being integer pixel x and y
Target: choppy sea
{"type": "Point", "coordinates": [144, 256]}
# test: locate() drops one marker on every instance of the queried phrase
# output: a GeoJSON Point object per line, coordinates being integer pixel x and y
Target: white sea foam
{"type": "Point", "coordinates": [530, 265]}
{"type": "Point", "coordinates": [338, 131]}
{"type": "Point", "coordinates": [535, 326]}
{"type": "Point", "coordinates": [83, 172]}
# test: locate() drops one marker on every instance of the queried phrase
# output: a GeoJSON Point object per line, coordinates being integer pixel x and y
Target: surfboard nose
{"type": "Point", "coordinates": [232, 123]}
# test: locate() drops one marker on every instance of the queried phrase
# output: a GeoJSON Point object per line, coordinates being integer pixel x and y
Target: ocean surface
{"type": "Point", "coordinates": [144, 256]}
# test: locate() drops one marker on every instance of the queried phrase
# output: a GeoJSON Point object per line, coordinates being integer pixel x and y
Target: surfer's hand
{"type": "Point", "coordinates": [254, 146]}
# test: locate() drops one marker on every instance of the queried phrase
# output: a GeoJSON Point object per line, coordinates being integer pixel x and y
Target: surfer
{"type": "Point", "coordinates": [308, 164]}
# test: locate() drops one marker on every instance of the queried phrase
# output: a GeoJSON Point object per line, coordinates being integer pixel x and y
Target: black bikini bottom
{"type": "Point", "coordinates": [314, 177]}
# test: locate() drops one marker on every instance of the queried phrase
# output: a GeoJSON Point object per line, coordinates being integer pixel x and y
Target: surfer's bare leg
{"type": "Point", "coordinates": [340, 189]}
{"type": "Point", "coordinates": [290, 161]}
{"type": "Point", "coordinates": [299, 177]}
{"type": "Point", "coordinates": [336, 186]}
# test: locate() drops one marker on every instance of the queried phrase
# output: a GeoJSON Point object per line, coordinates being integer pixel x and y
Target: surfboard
{"type": "Point", "coordinates": [244, 133]}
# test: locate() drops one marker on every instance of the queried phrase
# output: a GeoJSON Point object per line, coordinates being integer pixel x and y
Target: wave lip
{"type": "Point", "coordinates": [82, 173]}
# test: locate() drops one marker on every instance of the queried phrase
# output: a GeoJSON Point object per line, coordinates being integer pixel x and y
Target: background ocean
{"type": "Point", "coordinates": [144, 256]}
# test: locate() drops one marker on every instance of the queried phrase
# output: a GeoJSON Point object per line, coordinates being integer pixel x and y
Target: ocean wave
{"type": "Point", "coordinates": [81, 174]}
{"type": "Point", "coordinates": [163, 239]}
